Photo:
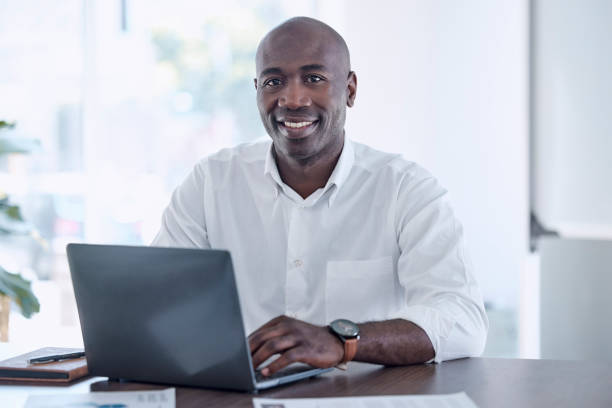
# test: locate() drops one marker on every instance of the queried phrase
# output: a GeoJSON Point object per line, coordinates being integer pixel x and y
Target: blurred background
{"type": "Point", "coordinates": [507, 102]}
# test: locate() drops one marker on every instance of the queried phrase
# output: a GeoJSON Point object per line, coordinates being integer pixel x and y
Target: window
{"type": "Point", "coordinates": [125, 96]}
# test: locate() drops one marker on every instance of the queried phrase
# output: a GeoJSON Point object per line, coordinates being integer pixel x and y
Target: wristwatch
{"type": "Point", "coordinates": [348, 332]}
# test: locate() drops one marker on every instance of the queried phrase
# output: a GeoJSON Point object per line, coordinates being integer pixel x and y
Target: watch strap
{"type": "Point", "coordinates": [349, 342]}
{"type": "Point", "coordinates": [350, 349]}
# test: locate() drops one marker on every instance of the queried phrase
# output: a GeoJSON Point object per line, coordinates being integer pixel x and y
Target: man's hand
{"type": "Point", "coordinates": [295, 341]}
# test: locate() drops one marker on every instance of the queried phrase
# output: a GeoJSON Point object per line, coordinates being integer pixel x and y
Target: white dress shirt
{"type": "Point", "coordinates": [378, 242]}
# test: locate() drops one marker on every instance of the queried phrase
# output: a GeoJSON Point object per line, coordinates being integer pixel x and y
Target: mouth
{"type": "Point", "coordinates": [297, 129]}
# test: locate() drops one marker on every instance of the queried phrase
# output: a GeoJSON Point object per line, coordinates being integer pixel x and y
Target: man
{"type": "Point", "coordinates": [321, 228]}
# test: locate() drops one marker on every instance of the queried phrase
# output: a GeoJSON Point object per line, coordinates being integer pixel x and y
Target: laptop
{"type": "Point", "coordinates": [166, 315]}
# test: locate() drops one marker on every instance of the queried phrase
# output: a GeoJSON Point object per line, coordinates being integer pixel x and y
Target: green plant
{"type": "Point", "coordinates": [12, 222]}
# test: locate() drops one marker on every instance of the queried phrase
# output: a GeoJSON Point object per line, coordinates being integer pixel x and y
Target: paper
{"type": "Point", "coordinates": [115, 399]}
{"type": "Point", "coordinates": [458, 400]}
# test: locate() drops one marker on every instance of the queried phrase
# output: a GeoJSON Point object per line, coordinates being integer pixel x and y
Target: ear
{"type": "Point", "coordinates": [351, 89]}
{"type": "Point", "coordinates": [255, 81]}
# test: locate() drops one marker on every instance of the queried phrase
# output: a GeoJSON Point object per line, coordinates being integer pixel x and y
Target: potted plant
{"type": "Point", "coordinates": [13, 287]}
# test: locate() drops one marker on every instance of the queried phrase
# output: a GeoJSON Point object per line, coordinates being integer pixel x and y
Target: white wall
{"type": "Point", "coordinates": [573, 107]}
{"type": "Point", "coordinates": [445, 84]}
{"type": "Point", "coordinates": [572, 168]}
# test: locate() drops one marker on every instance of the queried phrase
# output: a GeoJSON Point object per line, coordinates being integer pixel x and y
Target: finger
{"type": "Point", "coordinates": [273, 346]}
{"type": "Point", "coordinates": [269, 324]}
{"type": "Point", "coordinates": [258, 338]}
{"type": "Point", "coordinates": [290, 356]}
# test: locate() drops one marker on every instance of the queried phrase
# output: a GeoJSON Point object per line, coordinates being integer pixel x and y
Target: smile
{"type": "Point", "coordinates": [297, 125]}
{"type": "Point", "coordinates": [297, 130]}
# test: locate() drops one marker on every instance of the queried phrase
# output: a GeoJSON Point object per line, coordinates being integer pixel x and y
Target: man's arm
{"type": "Point", "coordinates": [183, 221]}
{"type": "Point", "coordinates": [390, 342]}
{"type": "Point", "coordinates": [441, 294]}
{"type": "Point", "coordinates": [393, 342]}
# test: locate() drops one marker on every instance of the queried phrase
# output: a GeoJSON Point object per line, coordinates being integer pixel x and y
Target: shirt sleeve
{"type": "Point", "coordinates": [441, 294]}
{"type": "Point", "coordinates": [183, 221]}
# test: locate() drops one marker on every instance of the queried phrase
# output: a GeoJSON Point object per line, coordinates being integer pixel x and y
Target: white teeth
{"type": "Point", "coordinates": [297, 124]}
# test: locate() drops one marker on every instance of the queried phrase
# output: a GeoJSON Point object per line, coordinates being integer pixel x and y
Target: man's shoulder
{"type": "Point", "coordinates": [244, 153]}
{"type": "Point", "coordinates": [378, 162]}
{"type": "Point", "coordinates": [245, 158]}
{"type": "Point", "coordinates": [415, 186]}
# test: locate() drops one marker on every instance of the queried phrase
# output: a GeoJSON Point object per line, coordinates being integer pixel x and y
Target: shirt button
{"type": "Point", "coordinates": [297, 263]}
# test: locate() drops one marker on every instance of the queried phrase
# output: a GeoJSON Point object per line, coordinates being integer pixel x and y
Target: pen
{"type": "Point", "coordinates": [56, 357]}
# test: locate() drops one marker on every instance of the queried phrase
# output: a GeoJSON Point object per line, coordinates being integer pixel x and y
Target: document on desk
{"type": "Point", "coordinates": [116, 399]}
{"type": "Point", "coordinates": [458, 400]}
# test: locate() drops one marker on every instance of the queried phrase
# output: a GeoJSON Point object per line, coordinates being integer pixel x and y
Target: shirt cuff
{"type": "Point", "coordinates": [436, 325]}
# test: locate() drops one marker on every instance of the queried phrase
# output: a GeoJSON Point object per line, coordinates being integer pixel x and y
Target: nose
{"type": "Point", "coordinates": [294, 96]}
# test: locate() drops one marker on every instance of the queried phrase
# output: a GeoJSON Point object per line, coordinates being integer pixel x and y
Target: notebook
{"type": "Point", "coordinates": [18, 368]}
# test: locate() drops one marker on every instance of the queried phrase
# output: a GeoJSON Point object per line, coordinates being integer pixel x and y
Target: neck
{"type": "Point", "coordinates": [306, 176]}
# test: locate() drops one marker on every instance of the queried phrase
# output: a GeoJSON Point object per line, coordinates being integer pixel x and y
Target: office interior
{"type": "Point", "coordinates": [507, 103]}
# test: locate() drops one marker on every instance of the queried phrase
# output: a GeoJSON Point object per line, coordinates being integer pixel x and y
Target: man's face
{"type": "Point", "coordinates": [303, 88]}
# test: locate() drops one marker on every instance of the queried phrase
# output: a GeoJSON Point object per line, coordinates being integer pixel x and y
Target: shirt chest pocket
{"type": "Point", "coordinates": [360, 290]}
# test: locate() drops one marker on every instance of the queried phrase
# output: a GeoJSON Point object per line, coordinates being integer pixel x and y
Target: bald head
{"type": "Point", "coordinates": [304, 85]}
{"type": "Point", "coordinates": [303, 35]}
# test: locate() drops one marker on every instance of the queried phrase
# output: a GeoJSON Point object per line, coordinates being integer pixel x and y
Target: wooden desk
{"type": "Point", "coordinates": [489, 382]}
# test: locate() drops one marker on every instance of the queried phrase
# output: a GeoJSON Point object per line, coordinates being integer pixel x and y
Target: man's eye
{"type": "Point", "coordinates": [313, 78]}
{"type": "Point", "coordinates": [272, 82]}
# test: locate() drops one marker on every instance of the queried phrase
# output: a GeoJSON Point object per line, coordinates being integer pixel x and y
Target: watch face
{"type": "Point", "coordinates": [345, 328]}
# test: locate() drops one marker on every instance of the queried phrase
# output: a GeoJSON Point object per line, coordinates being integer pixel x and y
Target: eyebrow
{"type": "Point", "coordinates": [309, 67]}
{"type": "Point", "coordinates": [269, 71]}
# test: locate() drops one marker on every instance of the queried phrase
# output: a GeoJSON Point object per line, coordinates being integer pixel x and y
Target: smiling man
{"type": "Point", "coordinates": [356, 252]}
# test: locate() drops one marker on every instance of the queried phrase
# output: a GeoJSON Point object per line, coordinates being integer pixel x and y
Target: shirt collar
{"type": "Point", "coordinates": [337, 178]}
{"type": "Point", "coordinates": [342, 169]}
{"type": "Point", "coordinates": [271, 170]}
